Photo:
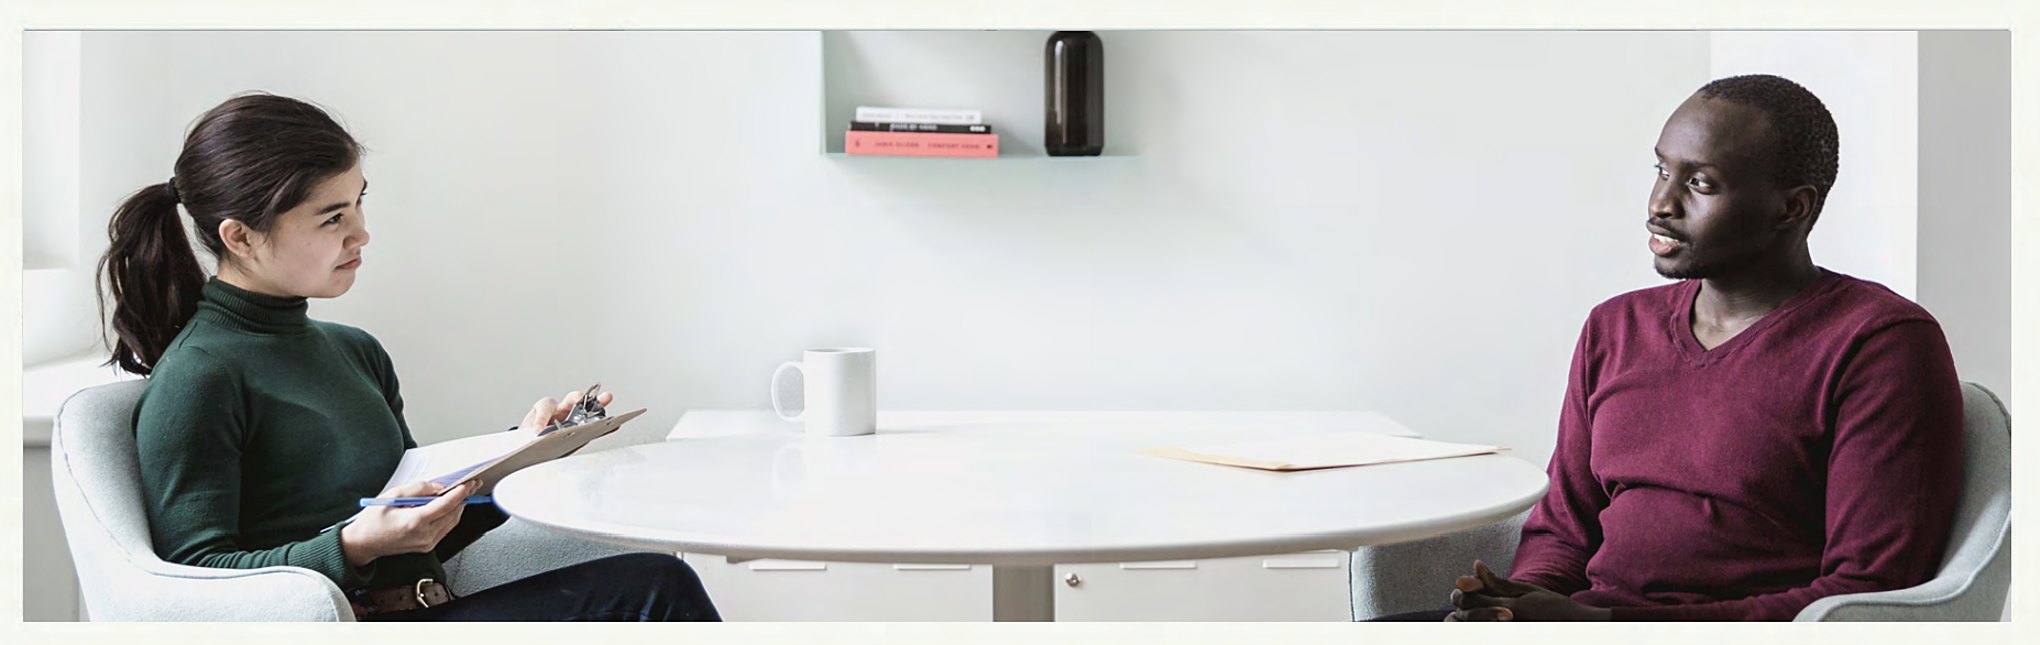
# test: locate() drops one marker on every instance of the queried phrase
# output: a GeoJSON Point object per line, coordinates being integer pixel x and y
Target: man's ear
{"type": "Point", "coordinates": [239, 239]}
{"type": "Point", "coordinates": [1802, 207]}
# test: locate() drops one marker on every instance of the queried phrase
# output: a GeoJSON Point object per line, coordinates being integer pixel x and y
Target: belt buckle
{"type": "Point", "coordinates": [418, 591]}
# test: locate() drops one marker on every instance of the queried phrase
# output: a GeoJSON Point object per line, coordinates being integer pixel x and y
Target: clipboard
{"type": "Point", "coordinates": [552, 445]}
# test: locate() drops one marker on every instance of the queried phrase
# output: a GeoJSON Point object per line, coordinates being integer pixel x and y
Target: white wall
{"type": "Point", "coordinates": [56, 279]}
{"type": "Point", "coordinates": [1409, 222]}
{"type": "Point", "coordinates": [1965, 185]}
{"type": "Point", "coordinates": [1869, 81]}
{"type": "Point", "coordinates": [1412, 222]}
{"type": "Point", "coordinates": [50, 76]}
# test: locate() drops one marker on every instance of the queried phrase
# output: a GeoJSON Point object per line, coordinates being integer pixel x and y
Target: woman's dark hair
{"type": "Point", "coordinates": [250, 159]}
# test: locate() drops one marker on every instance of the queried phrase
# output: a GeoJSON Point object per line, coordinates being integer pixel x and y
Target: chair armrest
{"type": "Point", "coordinates": [1979, 596]}
{"type": "Point", "coordinates": [163, 591]}
{"type": "Point", "coordinates": [519, 549]}
{"type": "Point", "coordinates": [1417, 575]}
{"type": "Point", "coordinates": [1915, 603]}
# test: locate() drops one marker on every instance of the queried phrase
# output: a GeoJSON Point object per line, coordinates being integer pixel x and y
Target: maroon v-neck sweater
{"type": "Point", "coordinates": [1816, 453]}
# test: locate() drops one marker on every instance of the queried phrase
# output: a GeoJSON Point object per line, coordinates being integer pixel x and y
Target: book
{"type": "Point", "coordinates": [872, 126]}
{"type": "Point", "coordinates": [1312, 452]}
{"type": "Point", "coordinates": [918, 115]}
{"type": "Point", "coordinates": [920, 144]}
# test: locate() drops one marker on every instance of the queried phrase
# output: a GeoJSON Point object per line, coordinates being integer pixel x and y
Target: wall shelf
{"type": "Point", "coordinates": [998, 72]}
{"type": "Point", "coordinates": [1003, 156]}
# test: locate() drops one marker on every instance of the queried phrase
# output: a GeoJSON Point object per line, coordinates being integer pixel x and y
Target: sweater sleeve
{"type": "Point", "coordinates": [188, 433]}
{"type": "Point", "coordinates": [1564, 528]}
{"type": "Point", "coordinates": [1894, 471]}
{"type": "Point", "coordinates": [386, 376]}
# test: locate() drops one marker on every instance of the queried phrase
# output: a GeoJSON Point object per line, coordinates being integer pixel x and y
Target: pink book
{"type": "Point", "coordinates": [920, 144]}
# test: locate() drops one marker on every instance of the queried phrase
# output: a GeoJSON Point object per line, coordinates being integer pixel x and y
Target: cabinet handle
{"type": "Point", "coordinates": [1072, 580]}
{"type": "Point", "coordinates": [1300, 563]}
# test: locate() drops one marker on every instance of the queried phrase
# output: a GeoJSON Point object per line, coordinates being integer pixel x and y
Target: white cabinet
{"type": "Point", "coordinates": [49, 585]}
{"type": "Point", "coordinates": [1295, 587]}
{"type": "Point", "coordinates": [797, 590]}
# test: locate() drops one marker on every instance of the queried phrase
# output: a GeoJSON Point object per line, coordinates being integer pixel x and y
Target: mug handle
{"type": "Point", "coordinates": [775, 391]}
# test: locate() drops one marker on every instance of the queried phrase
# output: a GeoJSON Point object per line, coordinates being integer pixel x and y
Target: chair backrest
{"type": "Point", "coordinates": [98, 484]}
{"type": "Point", "coordinates": [1976, 569]}
{"type": "Point", "coordinates": [1978, 549]}
{"type": "Point", "coordinates": [96, 471]}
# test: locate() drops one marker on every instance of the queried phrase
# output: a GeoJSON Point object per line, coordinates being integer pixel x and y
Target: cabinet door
{"type": "Point", "coordinates": [47, 575]}
{"type": "Point", "coordinates": [1294, 587]}
{"type": "Point", "coordinates": [799, 590]}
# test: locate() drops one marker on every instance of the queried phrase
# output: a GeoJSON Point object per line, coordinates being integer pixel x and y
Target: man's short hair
{"type": "Point", "coordinates": [1805, 145]}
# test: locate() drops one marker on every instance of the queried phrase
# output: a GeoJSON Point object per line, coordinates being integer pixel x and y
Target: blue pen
{"type": "Point", "coordinates": [417, 501]}
{"type": "Point", "coordinates": [400, 501]}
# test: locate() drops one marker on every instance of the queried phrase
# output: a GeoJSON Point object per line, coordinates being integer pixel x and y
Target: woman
{"type": "Point", "coordinates": [260, 428]}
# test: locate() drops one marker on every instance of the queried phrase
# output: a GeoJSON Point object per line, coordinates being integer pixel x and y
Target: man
{"type": "Point", "coordinates": [1759, 435]}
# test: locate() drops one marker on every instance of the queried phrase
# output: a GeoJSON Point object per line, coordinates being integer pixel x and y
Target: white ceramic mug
{"type": "Point", "coordinates": [840, 386]}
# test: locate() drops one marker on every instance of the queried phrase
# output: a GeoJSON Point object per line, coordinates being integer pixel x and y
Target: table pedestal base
{"type": "Point", "coordinates": [1023, 593]}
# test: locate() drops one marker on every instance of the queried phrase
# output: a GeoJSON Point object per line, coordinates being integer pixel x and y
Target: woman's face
{"type": "Point", "coordinates": [312, 250]}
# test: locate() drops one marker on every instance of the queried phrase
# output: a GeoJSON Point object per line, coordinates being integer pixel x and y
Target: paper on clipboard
{"type": "Point", "coordinates": [491, 457]}
{"type": "Point", "coordinates": [1312, 452]}
{"type": "Point", "coordinates": [425, 462]}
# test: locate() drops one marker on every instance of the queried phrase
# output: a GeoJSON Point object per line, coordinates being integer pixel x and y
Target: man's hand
{"type": "Point", "coordinates": [548, 411]}
{"type": "Point", "coordinates": [1484, 596]}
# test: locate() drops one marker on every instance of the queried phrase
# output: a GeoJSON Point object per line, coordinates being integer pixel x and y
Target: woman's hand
{"type": "Point", "coordinates": [389, 530]}
{"type": "Point", "coordinates": [547, 411]}
{"type": "Point", "coordinates": [1485, 596]}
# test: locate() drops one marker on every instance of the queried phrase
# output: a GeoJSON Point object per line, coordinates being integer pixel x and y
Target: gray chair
{"type": "Point", "coordinates": [1971, 584]}
{"type": "Point", "coordinates": [98, 487]}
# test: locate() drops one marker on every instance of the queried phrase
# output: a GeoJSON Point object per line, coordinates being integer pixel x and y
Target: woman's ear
{"type": "Point", "coordinates": [239, 239]}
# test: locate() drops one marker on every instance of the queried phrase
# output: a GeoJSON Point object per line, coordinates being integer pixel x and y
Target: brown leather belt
{"type": "Point", "coordinates": [426, 592]}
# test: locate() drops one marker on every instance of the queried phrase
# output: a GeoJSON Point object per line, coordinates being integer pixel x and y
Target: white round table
{"type": "Point", "coordinates": [1019, 491]}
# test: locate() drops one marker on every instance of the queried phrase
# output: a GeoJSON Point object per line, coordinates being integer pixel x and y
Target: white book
{"type": "Point", "coordinates": [918, 115]}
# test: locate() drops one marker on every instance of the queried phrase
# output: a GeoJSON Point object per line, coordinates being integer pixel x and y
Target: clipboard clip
{"type": "Point", "coordinates": [587, 409]}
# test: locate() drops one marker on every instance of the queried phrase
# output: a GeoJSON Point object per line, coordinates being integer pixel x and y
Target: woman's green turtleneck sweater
{"type": "Point", "coordinates": [260, 428]}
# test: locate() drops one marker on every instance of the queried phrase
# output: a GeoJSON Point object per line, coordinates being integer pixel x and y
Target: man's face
{"type": "Point", "coordinates": [1715, 207]}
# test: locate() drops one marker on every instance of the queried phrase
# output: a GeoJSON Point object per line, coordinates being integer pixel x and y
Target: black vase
{"type": "Point", "coordinates": [1074, 86]}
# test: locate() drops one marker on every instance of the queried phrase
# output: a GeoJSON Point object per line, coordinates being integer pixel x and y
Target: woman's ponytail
{"type": "Point", "coordinates": [248, 160]}
{"type": "Point", "coordinates": [152, 274]}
